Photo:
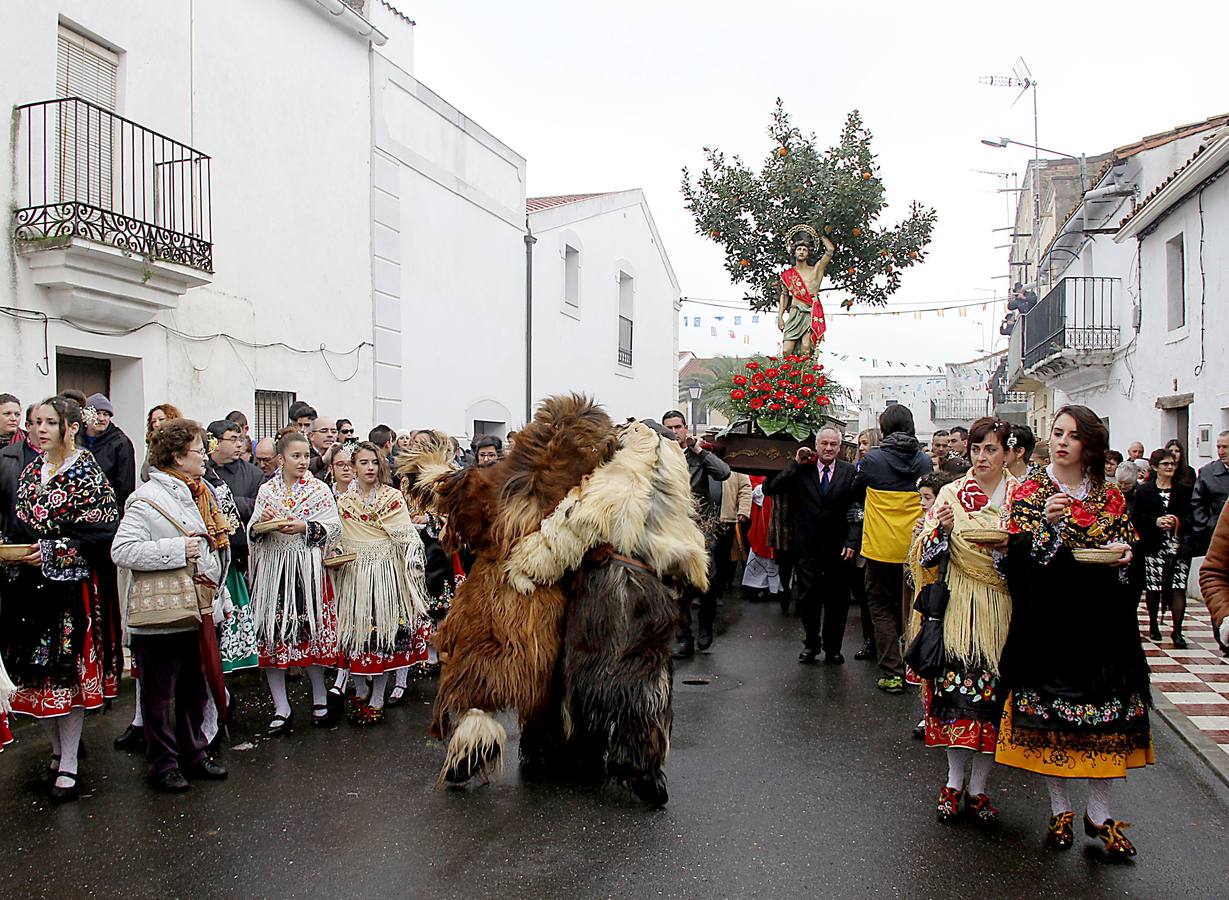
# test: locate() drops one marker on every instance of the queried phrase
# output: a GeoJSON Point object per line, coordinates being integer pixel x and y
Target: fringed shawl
{"type": "Point", "coordinates": [288, 565]}
{"type": "Point", "coordinates": [385, 587]}
{"type": "Point", "coordinates": [979, 609]}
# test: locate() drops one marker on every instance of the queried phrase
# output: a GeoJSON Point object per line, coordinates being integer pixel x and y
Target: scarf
{"type": "Point", "coordinates": [217, 528]}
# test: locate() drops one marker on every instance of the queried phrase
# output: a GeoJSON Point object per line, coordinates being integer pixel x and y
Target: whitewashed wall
{"type": "Point", "coordinates": [277, 95]}
{"type": "Point", "coordinates": [576, 349]}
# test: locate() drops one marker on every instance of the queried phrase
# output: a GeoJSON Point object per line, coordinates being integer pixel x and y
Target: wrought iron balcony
{"type": "Point", "coordinates": [1078, 314]}
{"type": "Point", "coordinates": [959, 409]}
{"type": "Point", "coordinates": [625, 341]}
{"type": "Point", "coordinates": [85, 172]}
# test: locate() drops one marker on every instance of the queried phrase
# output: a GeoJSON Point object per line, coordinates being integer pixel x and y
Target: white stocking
{"type": "Point", "coordinates": [343, 675]}
{"type": "Point", "coordinates": [403, 677]}
{"type": "Point", "coordinates": [277, 690]}
{"type": "Point", "coordinates": [957, 759]}
{"type": "Point", "coordinates": [1099, 799]}
{"type": "Point", "coordinates": [1060, 802]}
{"type": "Point", "coordinates": [315, 674]}
{"type": "Point", "coordinates": [982, 764]}
{"type": "Point", "coordinates": [53, 732]}
{"type": "Point", "coordinates": [378, 683]}
{"type": "Point", "coordinates": [210, 723]}
{"type": "Point", "coordinates": [70, 742]}
{"type": "Point", "coordinates": [362, 688]}
{"type": "Point", "coordinates": [138, 720]}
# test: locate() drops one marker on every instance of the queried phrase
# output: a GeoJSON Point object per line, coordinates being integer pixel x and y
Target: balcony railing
{"type": "Point", "coordinates": [625, 341]}
{"type": "Point", "coordinates": [83, 171]}
{"type": "Point", "coordinates": [960, 409]}
{"type": "Point", "coordinates": [1077, 314]}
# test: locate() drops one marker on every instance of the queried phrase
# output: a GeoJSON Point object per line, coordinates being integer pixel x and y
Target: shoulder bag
{"type": "Point", "coordinates": [169, 598]}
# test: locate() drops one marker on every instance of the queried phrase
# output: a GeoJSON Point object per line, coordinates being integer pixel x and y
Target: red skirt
{"type": "Point", "coordinates": [320, 650]}
{"type": "Point", "coordinates": [94, 687]}
{"type": "Point", "coordinates": [416, 652]}
{"type": "Point", "coordinates": [946, 730]}
{"type": "Point", "coordinates": [6, 736]}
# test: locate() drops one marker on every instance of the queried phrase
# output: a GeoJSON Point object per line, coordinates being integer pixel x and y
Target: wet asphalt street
{"type": "Point", "coordinates": [785, 781]}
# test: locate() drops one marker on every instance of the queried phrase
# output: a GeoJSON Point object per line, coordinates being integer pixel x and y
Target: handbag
{"type": "Point", "coordinates": [925, 654]}
{"type": "Point", "coordinates": [169, 598]}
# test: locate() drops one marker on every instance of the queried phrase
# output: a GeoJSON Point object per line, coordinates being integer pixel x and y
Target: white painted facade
{"type": "Point", "coordinates": [623, 271]}
{"type": "Point", "coordinates": [366, 235]}
{"type": "Point", "coordinates": [290, 161]}
{"type": "Point", "coordinates": [959, 396]}
{"type": "Point", "coordinates": [1161, 372]}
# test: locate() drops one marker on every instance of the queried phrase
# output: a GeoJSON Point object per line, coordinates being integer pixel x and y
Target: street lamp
{"type": "Point", "coordinates": [1001, 142]}
{"type": "Point", "coordinates": [695, 391]}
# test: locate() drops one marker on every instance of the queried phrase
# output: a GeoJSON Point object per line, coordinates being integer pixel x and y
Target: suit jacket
{"type": "Point", "coordinates": [822, 526]}
{"type": "Point", "coordinates": [1149, 507]}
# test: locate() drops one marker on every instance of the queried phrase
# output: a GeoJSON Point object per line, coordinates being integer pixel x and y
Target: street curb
{"type": "Point", "coordinates": [1205, 748]}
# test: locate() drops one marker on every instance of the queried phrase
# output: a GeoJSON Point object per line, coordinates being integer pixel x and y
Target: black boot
{"type": "Point", "coordinates": [867, 651]}
{"type": "Point", "coordinates": [131, 739]}
{"type": "Point", "coordinates": [705, 638]}
{"type": "Point", "coordinates": [684, 649]}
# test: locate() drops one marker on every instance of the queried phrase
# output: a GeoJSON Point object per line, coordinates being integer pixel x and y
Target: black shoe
{"type": "Point", "coordinates": [65, 795]}
{"type": "Point", "coordinates": [783, 599]}
{"type": "Point", "coordinates": [171, 782]}
{"type": "Point", "coordinates": [396, 696]}
{"type": "Point", "coordinates": [329, 717]}
{"type": "Point", "coordinates": [207, 770]}
{"type": "Point", "coordinates": [867, 651]}
{"type": "Point", "coordinates": [705, 639]}
{"type": "Point", "coordinates": [281, 725]}
{"type": "Point", "coordinates": [684, 650]}
{"type": "Point", "coordinates": [1179, 641]}
{"type": "Point", "coordinates": [1154, 634]}
{"type": "Point", "coordinates": [651, 789]}
{"type": "Point", "coordinates": [808, 656]}
{"type": "Point", "coordinates": [834, 659]}
{"type": "Point", "coordinates": [919, 730]}
{"type": "Point", "coordinates": [131, 739]}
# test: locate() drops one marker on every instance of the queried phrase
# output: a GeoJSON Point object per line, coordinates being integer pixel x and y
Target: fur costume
{"type": "Point", "coordinates": [498, 647]}
{"type": "Point", "coordinates": [629, 533]}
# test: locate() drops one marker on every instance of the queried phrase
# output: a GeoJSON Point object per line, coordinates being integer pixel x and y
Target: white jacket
{"type": "Point", "coordinates": [147, 542]}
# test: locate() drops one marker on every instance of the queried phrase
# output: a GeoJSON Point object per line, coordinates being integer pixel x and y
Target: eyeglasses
{"type": "Point", "coordinates": [264, 459]}
{"type": "Point", "coordinates": [197, 450]}
{"type": "Point", "coordinates": [347, 431]}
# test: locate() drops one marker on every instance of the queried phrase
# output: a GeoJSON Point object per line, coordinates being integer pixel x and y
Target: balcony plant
{"type": "Point", "coordinates": [787, 397]}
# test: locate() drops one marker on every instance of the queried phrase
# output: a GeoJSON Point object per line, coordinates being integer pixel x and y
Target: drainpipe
{"type": "Point", "coordinates": [530, 240]}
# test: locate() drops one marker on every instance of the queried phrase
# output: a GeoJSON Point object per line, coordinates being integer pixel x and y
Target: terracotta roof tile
{"type": "Point", "coordinates": [537, 204]}
{"type": "Point", "coordinates": [1162, 138]}
{"type": "Point", "coordinates": [1199, 151]}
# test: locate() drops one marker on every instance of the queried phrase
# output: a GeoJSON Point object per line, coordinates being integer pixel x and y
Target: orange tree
{"type": "Point", "coordinates": [836, 190]}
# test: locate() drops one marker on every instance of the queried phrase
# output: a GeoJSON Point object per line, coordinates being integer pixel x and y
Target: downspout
{"type": "Point", "coordinates": [530, 240]}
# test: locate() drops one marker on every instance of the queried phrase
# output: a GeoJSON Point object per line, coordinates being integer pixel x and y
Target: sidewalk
{"type": "Point", "coordinates": [1195, 682]}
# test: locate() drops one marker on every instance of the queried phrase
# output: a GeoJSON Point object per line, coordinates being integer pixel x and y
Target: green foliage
{"type": "Point", "coordinates": [836, 191]}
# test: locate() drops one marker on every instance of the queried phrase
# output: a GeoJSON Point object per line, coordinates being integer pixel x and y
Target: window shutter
{"type": "Point", "coordinates": [84, 156]}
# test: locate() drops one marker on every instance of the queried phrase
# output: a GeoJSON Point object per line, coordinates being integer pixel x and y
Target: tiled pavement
{"type": "Point", "coordinates": [1195, 680]}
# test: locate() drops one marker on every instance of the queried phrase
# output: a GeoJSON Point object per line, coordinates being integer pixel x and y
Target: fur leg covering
{"type": "Point", "coordinates": [476, 749]}
{"type": "Point", "coordinates": [618, 676]}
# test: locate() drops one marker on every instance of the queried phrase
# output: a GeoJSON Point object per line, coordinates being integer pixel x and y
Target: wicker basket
{"type": "Point", "coordinates": [12, 553]}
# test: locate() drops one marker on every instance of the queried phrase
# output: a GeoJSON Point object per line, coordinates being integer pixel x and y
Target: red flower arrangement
{"type": "Point", "coordinates": [789, 395]}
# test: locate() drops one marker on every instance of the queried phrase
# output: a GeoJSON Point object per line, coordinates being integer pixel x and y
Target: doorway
{"type": "Point", "coordinates": [87, 374]}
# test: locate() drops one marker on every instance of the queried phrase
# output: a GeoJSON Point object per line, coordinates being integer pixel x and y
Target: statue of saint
{"type": "Point", "coordinates": [800, 315]}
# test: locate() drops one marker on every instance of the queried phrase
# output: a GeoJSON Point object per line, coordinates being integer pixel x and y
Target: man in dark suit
{"type": "Point", "coordinates": [820, 491]}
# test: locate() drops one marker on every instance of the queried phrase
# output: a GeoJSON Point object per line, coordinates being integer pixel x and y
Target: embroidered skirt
{"type": "Point", "coordinates": [410, 650]}
{"type": "Point", "coordinates": [237, 637]}
{"type": "Point", "coordinates": [319, 649]}
{"type": "Point", "coordinates": [963, 708]}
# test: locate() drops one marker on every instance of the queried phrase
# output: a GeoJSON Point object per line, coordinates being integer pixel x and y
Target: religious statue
{"type": "Point", "coordinates": [801, 315]}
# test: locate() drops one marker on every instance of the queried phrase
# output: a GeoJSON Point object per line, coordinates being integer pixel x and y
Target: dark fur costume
{"type": "Point", "coordinates": [499, 648]}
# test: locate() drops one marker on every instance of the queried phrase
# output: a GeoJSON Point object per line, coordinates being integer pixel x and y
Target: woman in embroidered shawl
{"type": "Point", "coordinates": [963, 704]}
{"type": "Point", "coordinates": [292, 600]}
{"type": "Point", "coordinates": [1074, 663]}
{"type": "Point", "coordinates": [382, 623]}
{"type": "Point", "coordinates": [50, 617]}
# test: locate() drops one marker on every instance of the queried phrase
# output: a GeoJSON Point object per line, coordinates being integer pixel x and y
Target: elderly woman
{"type": "Point", "coordinates": [171, 522]}
{"type": "Point", "coordinates": [50, 612]}
{"type": "Point", "coordinates": [1162, 512]}
{"type": "Point", "coordinates": [1078, 696]}
{"type": "Point", "coordinates": [964, 703]}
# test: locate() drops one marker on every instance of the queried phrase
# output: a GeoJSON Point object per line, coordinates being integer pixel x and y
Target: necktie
{"type": "Point", "coordinates": [824, 482]}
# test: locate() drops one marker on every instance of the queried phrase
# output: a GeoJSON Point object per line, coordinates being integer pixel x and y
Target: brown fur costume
{"type": "Point", "coordinates": [629, 532]}
{"type": "Point", "coordinates": [499, 648]}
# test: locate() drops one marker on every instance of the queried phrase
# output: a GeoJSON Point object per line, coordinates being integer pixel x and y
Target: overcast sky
{"type": "Point", "coordinates": [619, 95]}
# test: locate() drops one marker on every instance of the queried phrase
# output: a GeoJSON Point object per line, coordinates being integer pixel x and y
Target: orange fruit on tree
{"type": "Point", "coordinates": [913, 254]}
{"type": "Point", "coordinates": [744, 263]}
{"type": "Point", "coordinates": [866, 176]}
{"type": "Point", "coordinates": [851, 271]}
{"type": "Point", "coordinates": [783, 151]}
{"type": "Point", "coordinates": [715, 233]}
{"type": "Point", "coordinates": [856, 231]}
{"type": "Point", "coordinates": [827, 229]}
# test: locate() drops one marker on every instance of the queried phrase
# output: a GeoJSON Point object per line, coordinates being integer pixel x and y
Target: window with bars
{"type": "Point", "coordinates": [272, 412]}
{"type": "Point", "coordinates": [627, 299]}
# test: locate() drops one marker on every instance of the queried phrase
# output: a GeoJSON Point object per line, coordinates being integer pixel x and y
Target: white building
{"type": "Point", "coordinates": [1132, 307]}
{"type": "Point", "coordinates": [223, 225]}
{"type": "Point", "coordinates": [960, 396]}
{"type": "Point", "coordinates": [605, 302]}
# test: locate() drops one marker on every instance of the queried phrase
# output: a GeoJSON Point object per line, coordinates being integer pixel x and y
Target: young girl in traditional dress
{"type": "Point", "coordinates": [50, 615]}
{"type": "Point", "coordinates": [963, 704]}
{"type": "Point", "coordinates": [1074, 663]}
{"type": "Point", "coordinates": [382, 623]}
{"type": "Point", "coordinates": [292, 600]}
